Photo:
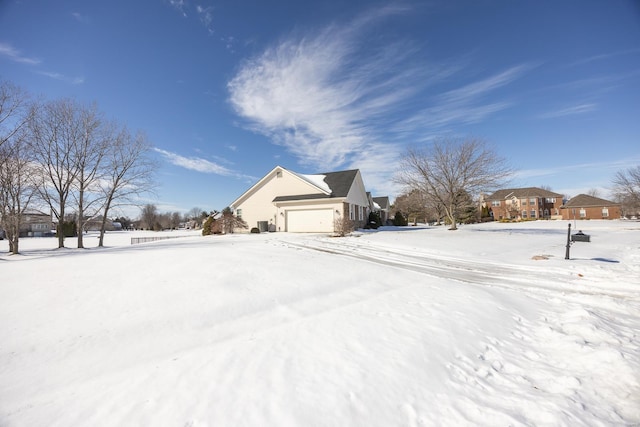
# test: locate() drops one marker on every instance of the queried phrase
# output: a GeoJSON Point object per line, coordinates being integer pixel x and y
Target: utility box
{"type": "Point", "coordinates": [580, 237]}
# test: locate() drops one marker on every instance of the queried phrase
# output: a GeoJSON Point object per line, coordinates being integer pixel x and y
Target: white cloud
{"type": "Point", "coordinates": [206, 17]}
{"type": "Point", "coordinates": [334, 98]}
{"type": "Point", "coordinates": [180, 6]}
{"type": "Point", "coordinates": [15, 55]}
{"type": "Point", "coordinates": [569, 111]}
{"type": "Point", "coordinates": [199, 164]}
{"type": "Point", "coordinates": [62, 77]}
{"type": "Point", "coordinates": [83, 19]}
{"type": "Point", "coordinates": [322, 96]}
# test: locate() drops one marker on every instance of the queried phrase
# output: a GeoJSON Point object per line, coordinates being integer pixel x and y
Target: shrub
{"type": "Point", "coordinates": [399, 220]}
{"type": "Point", "coordinates": [255, 230]}
{"type": "Point", "coordinates": [207, 226]}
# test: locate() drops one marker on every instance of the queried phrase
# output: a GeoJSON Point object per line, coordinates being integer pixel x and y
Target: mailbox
{"type": "Point", "coordinates": [580, 237]}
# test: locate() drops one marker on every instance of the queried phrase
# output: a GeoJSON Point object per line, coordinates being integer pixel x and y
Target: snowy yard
{"type": "Point", "coordinates": [396, 327]}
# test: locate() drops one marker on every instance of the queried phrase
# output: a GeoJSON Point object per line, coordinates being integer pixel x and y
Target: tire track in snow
{"type": "Point", "coordinates": [511, 277]}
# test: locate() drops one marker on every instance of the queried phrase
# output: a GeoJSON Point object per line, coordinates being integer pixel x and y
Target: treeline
{"type": "Point", "coordinates": [66, 157]}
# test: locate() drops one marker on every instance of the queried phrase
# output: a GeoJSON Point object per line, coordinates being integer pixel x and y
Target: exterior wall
{"type": "Point", "coordinates": [525, 208]}
{"type": "Point", "coordinates": [359, 206]}
{"type": "Point", "coordinates": [36, 225]}
{"type": "Point", "coordinates": [591, 212]}
{"type": "Point", "coordinates": [258, 205]}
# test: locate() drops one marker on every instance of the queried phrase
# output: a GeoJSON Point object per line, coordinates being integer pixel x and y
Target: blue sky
{"type": "Point", "coordinates": [228, 89]}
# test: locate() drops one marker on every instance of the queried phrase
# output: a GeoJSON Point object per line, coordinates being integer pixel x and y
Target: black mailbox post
{"type": "Point", "coordinates": [577, 237]}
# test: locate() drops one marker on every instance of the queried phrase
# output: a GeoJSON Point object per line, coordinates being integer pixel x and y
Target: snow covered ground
{"type": "Point", "coordinates": [487, 325]}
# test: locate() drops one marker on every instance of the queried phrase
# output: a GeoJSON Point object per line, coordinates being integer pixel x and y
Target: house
{"type": "Point", "coordinates": [288, 201]}
{"type": "Point", "coordinates": [35, 224]}
{"type": "Point", "coordinates": [524, 203]}
{"type": "Point", "coordinates": [382, 205]}
{"type": "Point", "coordinates": [584, 206]}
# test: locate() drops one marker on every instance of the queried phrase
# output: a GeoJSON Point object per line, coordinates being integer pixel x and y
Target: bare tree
{"type": "Point", "coordinates": [128, 173]}
{"type": "Point", "coordinates": [414, 204]}
{"type": "Point", "coordinates": [16, 188]}
{"type": "Point", "coordinates": [594, 192]}
{"type": "Point", "coordinates": [450, 170]}
{"type": "Point", "coordinates": [55, 129]}
{"type": "Point", "coordinates": [626, 188]}
{"type": "Point", "coordinates": [14, 110]}
{"type": "Point", "coordinates": [90, 149]}
{"type": "Point", "coordinates": [149, 216]}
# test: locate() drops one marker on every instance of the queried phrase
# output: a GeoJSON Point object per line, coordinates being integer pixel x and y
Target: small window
{"type": "Point", "coordinates": [239, 213]}
{"type": "Point", "coordinates": [524, 214]}
{"type": "Point", "coordinates": [279, 174]}
{"type": "Point", "coordinates": [495, 203]}
{"type": "Point", "coordinates": [533, 213]}
{"type": "Point", "coordinates": [546, 212]}
{"type": "Point", "coordinates": [523, 202]}
{"type": "Point", "coordinates": [605, 212]}
{"type": "Point", "coordinates": [532, 201]}
{"type": "Point", "coordinates": [583, 213]}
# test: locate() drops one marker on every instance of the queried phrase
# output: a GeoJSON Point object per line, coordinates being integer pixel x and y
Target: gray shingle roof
{"type": "Point", "coordinates": [523, 193]}
{"type": "Point", "coordinates": [584, 201]}
{"type": "Point", "coordinates": [339, 182]}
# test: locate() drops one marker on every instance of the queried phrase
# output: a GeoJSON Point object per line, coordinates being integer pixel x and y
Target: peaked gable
{"type": "Point", "coordinates": [305, 183]}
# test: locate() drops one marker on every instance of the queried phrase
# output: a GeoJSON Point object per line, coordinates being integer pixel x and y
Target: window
{"type": "Point", "coordinates": [533, 213]}
{"type": "Point", "coordinates": [546, 212]}
{"type": "Point", "coordinates": [351, 212]}
{"type": "Point", "coordinates": [239, 213]}
{"type": "Point", "coordinates": [583, 213]}
{"type": "Point", "coordinates": [524, 214]}
{"type": "Point", "coordinates": [551, 199]}
{"type": "Point", "coordinates": [523, 202]}
{"type": "Point", "coordinates": [605, 212]}
{"type": "Point", "coordinates": [279, 174]}
{"type": "Point", "coordinates": [495, 203]}
{"type": "Point", "coordinates": [532, 201]}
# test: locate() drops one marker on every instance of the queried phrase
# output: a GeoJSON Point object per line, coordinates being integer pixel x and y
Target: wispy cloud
{"type": "Point", "coordinates": [331, 100]}
{"type": "Point", "coordinates": [180, 6]}
{"type": "Point", "coordinates": [62, 77]}
{"type": "Point", "coordinates": [199, 164]}
{"type": "Point", "coordinates": [605, 56]}
{"type": "Point", "coordinates": [317, 94]}
{"type": "Point", "coordinates": [83, 19]}
{"type": "Point", "coordinates": [569, 111]}
{"type": "Point", "coordinates": [205, 14]}
{"type": "Point", "coordinates": [15, 55]}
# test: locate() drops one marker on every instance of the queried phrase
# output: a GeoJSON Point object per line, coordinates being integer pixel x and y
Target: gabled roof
{"type": "Point", "coordinates": [338, 182]}
{"type": "Point", "coordinates": [523, 193]}
{"type": "Point", "coordinates": [584, 201]}
{"type": "Point", "coordinates": [383, 202]}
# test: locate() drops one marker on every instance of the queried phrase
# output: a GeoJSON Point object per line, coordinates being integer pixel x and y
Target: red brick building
{"type": "Point", "coordinates": [584, 206]}
{"type": "Point", "coordinates": [524, 204]}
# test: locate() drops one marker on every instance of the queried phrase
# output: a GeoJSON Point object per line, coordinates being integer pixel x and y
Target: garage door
{"type": "Point", "coordinates": [310, 221]}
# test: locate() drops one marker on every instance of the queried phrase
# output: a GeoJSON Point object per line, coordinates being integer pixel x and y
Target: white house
{"type": "Point", "coordinates": [288, 201]}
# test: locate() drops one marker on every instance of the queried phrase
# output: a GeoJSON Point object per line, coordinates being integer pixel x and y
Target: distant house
{"type": "Point", "coordinates": [36, 224]}
{"type": "Point", "coordinates": [382, 205]}
{"type": "Point", "coordinates": [284, 200]}
{"type": "Point", "coordinates": [584, 206]}
{"type": "Point", "coordinates": [524, 203]}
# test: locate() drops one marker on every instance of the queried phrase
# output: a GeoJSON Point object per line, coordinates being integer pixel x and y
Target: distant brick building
{"type": "Point", "coordinates": [584, 206]}
{"type": "Point", "coordinates": [524, 203]}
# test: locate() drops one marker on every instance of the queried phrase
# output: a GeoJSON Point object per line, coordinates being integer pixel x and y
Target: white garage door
{"type": "Point", "coordinates": [310, 221]}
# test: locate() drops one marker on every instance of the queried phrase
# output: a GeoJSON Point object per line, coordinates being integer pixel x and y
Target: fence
{"type": "Point", "coordinates": [136, 240]}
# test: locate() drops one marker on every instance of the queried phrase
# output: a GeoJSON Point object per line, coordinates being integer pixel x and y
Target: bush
{"type": "Point", "coordinates": [399, 220]}
{"type": "Point", "coordinates": [207, 226]}
{"type": "Point", "coordinates": [255, 230]}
